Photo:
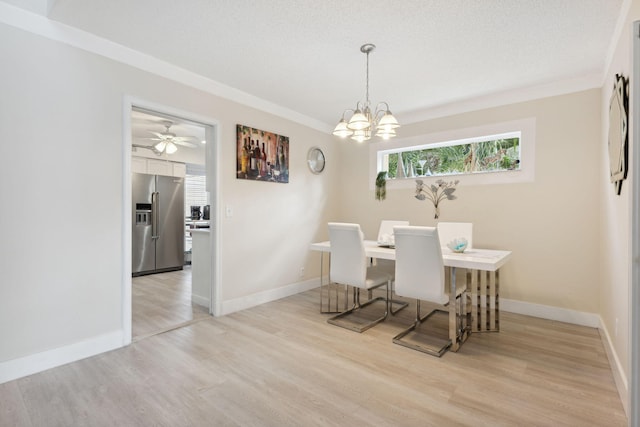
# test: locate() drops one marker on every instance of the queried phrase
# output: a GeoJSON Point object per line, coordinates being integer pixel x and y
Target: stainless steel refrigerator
{"type": "Point", "coordinates": [158, 223]}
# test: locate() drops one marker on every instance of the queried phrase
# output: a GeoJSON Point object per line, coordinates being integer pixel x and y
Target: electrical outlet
{"type": "Point", "coordinates": [229, 211]}
{"type": "Point", "coordinates": [302, 272]}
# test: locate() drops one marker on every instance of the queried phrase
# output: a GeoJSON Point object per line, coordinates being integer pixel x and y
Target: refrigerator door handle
{"type": "Point", "coordinates": [154, 214]}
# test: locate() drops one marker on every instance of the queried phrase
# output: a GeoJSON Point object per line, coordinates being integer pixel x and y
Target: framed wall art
{"type": "Point", "coordinates": [261, 155]}
{"type": "Point", "coordinates": [619, 132]}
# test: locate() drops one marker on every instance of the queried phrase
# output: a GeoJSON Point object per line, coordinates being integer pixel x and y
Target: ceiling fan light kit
{"type": "Point", "coordinates": [167, 146]}
{"type": "Point", "coordinates": [362, 122]}
{"type": "Point", "coordinates": [168, 141]}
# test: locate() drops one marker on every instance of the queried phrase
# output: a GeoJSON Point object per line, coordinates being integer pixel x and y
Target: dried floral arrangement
{"type": "Point", "coordinates": [437, 192]}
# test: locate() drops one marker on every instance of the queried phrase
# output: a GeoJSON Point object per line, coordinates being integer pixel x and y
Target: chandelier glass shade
{"type": "Point", "coordinates": [363, 123]}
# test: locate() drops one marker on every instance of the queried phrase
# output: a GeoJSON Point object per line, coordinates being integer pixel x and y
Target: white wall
{"type": "Point", "coordinates": [61, 127]}
{"type": "Point", "coordinates": [615, 290]}
{"type": "Point", "coordinates": [551, 224]}
{"type": "Point", "coordinates": [569, 233]}
{"type": "Point", "coordinates": [61, 136]}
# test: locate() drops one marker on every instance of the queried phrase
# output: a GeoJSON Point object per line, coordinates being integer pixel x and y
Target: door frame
{"type": "Point", "coordinates": [212, 165]}
{"type": "Point", "coordinates": [634, 300]}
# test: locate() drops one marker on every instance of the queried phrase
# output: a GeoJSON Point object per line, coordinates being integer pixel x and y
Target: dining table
{"type": "Point", "coordinates": [482, 278]}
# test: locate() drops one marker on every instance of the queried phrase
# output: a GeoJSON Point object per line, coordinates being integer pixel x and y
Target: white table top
{"type": "Point", "coordinates": [475, 259]}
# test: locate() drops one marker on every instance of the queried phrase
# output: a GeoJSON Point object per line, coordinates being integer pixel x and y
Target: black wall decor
{"type": "Point", "coordinates": [619, 132]}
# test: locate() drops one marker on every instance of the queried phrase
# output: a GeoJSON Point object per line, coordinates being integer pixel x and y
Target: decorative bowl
{"type": "Point", "coordinates": [387, 240]}
{"type": "Point", "coordinates": [458, 245]}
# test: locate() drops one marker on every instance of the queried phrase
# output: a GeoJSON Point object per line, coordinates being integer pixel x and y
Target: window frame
{"type": "Point", "coordinates": [196, 174]}
{"type": "Point", "coordinates": [526, 172]}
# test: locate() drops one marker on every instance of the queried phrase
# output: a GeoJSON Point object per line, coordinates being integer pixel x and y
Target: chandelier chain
{"type": "Point", "coordinates": [367, 91]}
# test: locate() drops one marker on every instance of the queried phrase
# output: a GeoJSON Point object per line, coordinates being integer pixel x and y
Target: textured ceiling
{"type": "Point", "coordinates": [304, 55]}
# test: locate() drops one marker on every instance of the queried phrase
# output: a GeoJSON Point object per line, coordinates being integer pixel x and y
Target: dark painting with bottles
{"type": "Point", "coordinates": [261, 155]}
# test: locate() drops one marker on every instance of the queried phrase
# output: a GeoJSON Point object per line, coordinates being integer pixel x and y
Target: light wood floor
{"type": "Point", "coordinates": [161, 302]}
{"type": "Point", "coordinates": [281, 364]}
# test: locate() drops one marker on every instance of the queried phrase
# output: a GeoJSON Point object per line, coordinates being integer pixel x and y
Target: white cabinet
{"type": "Point", "coordinates": [179, 170]}
{"type": "Point", "coordinates": [157, 167]}
{"type": "Point", "coordinates": [138, 165]}
{"type": "Point", "coordinates": [201, 267]}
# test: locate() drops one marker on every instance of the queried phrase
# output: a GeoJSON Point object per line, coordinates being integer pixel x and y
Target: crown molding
{"type": "Point", "coordinates": [42, 26]}
{"type": "Point", "coordinates": [498, 99]}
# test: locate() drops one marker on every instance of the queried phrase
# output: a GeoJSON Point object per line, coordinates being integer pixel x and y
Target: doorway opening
{"type": "Point", "coordinates": [161, 302]}
{"type": "Point", "coordinates": [165, 144]}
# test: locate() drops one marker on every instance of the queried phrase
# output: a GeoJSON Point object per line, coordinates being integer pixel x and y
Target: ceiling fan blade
{"type": "Point", "coordinates": [184, 143]}
{"type": "Point", "coordinates": [158, 134]}
{"type": "Point", "coordinates": [149, 147]}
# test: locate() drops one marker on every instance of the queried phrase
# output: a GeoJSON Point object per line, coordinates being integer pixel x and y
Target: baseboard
{"type": "Point", "coordinates": [577, 318]}
{"type": "Point", "coordinates": [197, 299]}
{"type": "Point", "coordinates": [552, 313]}
{"type": "Point", "coordinates": [253, 300]}
{"type": "Point", "coordinates": [28, 365]}
{"type": "Point", "coordinates": [616, 368]}
{"type": "Point", "coordinates": [32, 364]}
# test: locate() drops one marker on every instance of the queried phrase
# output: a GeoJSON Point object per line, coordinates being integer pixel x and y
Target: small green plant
{"type": "Point", "coordinates": [381, 186]}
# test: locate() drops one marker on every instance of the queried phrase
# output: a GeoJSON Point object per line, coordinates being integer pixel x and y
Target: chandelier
{"type": "Point", "coordinates": [363, 122]}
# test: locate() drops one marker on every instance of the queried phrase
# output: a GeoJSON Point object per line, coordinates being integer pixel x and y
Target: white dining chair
{"type": "Point", "coordinates": [385, 234]}
{"type": "Point", "coordinates": [420, 274]}
{"type": "Point", "coordinates": [349, 266]}
{"type": "Point", "coordinates": [451, 230]}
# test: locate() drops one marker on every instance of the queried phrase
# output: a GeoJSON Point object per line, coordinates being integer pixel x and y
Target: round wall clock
{"type": "Point", "coordinates": [315, 160]}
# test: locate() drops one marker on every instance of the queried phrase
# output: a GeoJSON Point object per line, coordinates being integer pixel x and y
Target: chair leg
{"type": "Point", "coordinates": [343, 319]}
{"type": "Point", "coordinates": [402, 304]}
{"type": "Point", "coordinates": [439, 346]}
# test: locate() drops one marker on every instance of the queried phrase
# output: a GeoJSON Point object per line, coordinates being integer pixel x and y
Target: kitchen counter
{"type": "Point", "coordinates": [195, 231]}
{"type": "Point", "coordinates": [193, 224]}
{"type": "Point", "coordinates": [201, 262]}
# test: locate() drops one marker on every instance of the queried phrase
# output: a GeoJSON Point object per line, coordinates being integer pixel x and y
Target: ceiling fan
{"type": "Point", "coordinates": [168, 141]}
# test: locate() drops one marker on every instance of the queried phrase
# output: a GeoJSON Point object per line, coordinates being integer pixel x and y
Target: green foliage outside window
{"type": "Point", "coordinates": [476, 157]}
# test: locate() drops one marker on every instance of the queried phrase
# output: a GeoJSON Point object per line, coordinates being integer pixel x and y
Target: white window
{"type": "Point", "coordinates": [492, 154]}
{"type": "Point", "coordinates": [195, 194]}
